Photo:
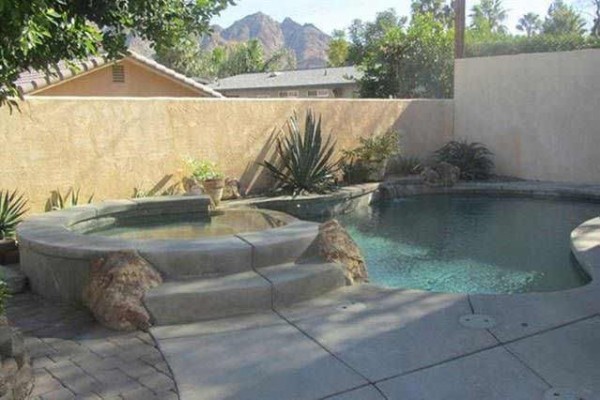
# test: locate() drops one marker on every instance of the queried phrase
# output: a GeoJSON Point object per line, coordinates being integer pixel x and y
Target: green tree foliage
{"type": "Point", "coordinates": [412, 62]}
{"type": "Point", "coordinates": [595, 31]}
{"type": "Point", "coordinates": [563, 19]}
{"type": "Point", "coordinates": [439, 9]}
{"type": "Point", "coordinates": [489, 15]}
{"type": "Point", "coordinates": [339, 50]}
{"type": "Point", "coordinates": [36, 34]}
{"type": "Point", "coordinates": [240, 58]}
{"type": "Point", "coordinates": [530, 24]}
{"type": "Point", "coordinates": [365, 36]}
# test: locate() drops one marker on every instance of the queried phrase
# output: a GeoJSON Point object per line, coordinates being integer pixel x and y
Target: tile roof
{"type": "Point", "coordinates": [289, 79]}
{"type": "Point", "coordinates": [30, 81]}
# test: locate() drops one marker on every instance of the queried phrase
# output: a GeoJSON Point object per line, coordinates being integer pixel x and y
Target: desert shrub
{"type": "Point", "coordinates": [4, 295]}
{"type": "Point", "coordinates": [58, 201]}
{"type": "Point", "coordinates": [405, 166]}
{"type": "Point", "coordinates": [12, 210]}
{"type": "Point", "coordinates": [304, 158]}
{"type": "Point", "coordinates": [367, 162]}
{"type": "Point", "coordinates": [473, 159]}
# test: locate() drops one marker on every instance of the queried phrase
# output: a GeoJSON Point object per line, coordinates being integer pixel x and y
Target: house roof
{"type": "Point", "coordinates": [31, 81]}
{"type": "Point", "coordinates": [290, 79]}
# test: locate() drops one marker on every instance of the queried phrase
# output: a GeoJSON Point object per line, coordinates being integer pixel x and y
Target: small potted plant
{"type": "Point", "coordinates": [12, 209]}
{"type": "Point", "coordinates": [368, 162]}
{"type": "Point", "coordinates": [206, 174]}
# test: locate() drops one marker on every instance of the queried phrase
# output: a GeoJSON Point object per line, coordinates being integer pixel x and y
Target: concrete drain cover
{"type": "Point", "coordinates": [477, 321]}
{"type": "Point", "coordinates": [352, 307]}
{"type": "Point", "coordinates": [562, 394]}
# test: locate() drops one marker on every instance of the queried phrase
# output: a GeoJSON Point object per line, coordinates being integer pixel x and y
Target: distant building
{"type": "Point", "coordinates": [309, 83]}
{"type": "Point", "coordinates": [132, 76]}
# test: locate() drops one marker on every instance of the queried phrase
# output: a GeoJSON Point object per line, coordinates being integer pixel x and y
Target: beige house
{"type": "Point", "coordinates": [309, 83]}
{"type": "Point", "coordinates": [132, 76]}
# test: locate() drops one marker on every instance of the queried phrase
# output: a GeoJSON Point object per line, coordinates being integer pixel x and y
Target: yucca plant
{"type": "Point", "coordinates": [12, 210]}
{"type": "Point", "coordinates": [58, 201]}
{"type": "Point", "coordinates": [305, 161]}
{"type": "Point", "coordinates": [473, 159]}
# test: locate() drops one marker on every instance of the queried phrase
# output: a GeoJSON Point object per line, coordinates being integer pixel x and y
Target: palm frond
{"type": "Point", "coordinates": [12, 209]}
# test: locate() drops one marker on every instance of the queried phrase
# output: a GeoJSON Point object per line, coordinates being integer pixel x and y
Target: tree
{"type": "Point", "coordinates": [37, 34]}
{"type": "Point", "coordinates": [365, 35]}
{"type": "Point", "coordinates": [563, 19]}
{"type": "Point", "coordinates": [595, 31]}
{"type": "Point", "coordinates": [489, 15]}
{"type": "Point", "coordinates": [413, 62]}
{"type": "Point", "coordinates": [339, 49]}
{"type": "Point", "coordinates": [530, 23]}
{"type": "Point", "coordinates": [439, 9]}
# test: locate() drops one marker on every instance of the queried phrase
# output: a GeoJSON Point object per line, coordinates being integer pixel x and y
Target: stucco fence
{"type": "Point", "coordinates": [539, 113]}
{"type": "Point", "coordinates": [109, 146]}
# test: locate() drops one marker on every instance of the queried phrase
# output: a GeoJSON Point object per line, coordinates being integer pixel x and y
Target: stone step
{"type": "Point", "coordinates": [14, 278]}
{"type": "Point", "coordinates": [182, 302]}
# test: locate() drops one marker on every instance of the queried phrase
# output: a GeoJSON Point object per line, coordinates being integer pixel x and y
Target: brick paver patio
{"type": "Point", "coordinates": [75, 357]}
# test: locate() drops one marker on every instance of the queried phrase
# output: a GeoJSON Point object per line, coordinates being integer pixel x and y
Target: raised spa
{"type": "Point", "coordinates": [472, 244]}
{"type": "Point", "coordinates": [178, 236]}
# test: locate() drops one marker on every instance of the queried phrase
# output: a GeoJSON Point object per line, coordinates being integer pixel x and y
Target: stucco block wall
{"type": "Point", "coordinates": [539, 113]}
{"type": "Point", "coordinates": [139, 81]}
{"type": "Point", "coordinates": [109, 146]}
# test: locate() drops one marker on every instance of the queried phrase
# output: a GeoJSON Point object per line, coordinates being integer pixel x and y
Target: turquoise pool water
{"type": "Point", "coordinates": [471, 244]}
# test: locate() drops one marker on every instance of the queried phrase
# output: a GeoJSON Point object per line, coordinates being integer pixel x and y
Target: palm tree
{"type": "Point", "coordinates": [563, 19]}
{"type": "Point", "coordinates": [530, 23]}
{"type": "Point", "coordinates": [490, 14]}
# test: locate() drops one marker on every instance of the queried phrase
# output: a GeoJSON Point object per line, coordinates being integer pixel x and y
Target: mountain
{"type": "Point", "coordinates": [308, 43]}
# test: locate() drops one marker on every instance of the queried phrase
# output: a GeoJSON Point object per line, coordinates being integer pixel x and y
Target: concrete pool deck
{"type": "Point", "coordinates": [370, 343]}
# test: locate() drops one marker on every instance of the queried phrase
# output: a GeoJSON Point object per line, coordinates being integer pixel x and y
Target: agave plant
{"type": "Point", "coordinates": [304, 158]}
{"type": "Point", "coordinates": [12, 209]}
{"type": "Point", "coordinates": [58, 201]}
{"type": "Point", "coordinates": [473, 159]}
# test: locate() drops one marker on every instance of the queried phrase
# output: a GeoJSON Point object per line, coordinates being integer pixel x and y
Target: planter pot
{"type": "Point", "coordinates": [367, 171]}
{"type": "Point", "coordinates": [214, 188]}
{"type": "Point", "coordinates": [9, 253]}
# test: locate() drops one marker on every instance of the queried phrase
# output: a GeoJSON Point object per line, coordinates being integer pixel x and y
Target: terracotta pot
{"type": "Point", "coordinates": [214, 188]}
{"type": "Point", "coordinates": [9, 253]}
{"type": "Point", "coordinates": [375, 170]}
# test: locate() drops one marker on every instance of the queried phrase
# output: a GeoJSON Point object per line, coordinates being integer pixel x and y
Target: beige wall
{"type": "Point", "coordinates": [139, 81]}
{"type": "Point", "coordinates": [109, 146]}
{"type": "Point", "coordinates": [540, 113]}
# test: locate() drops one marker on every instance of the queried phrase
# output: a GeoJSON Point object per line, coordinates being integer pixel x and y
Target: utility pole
{"type": "Point", "coordinates": [459, 28]}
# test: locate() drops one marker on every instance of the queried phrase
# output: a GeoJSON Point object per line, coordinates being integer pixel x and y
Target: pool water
{"type": "Point", "coordinates": [471, 244]}
{"type": "Point", "coordinates": [188, 226]}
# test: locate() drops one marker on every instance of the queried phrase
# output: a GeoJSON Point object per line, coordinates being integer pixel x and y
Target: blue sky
{"type": "Point", "coordinates": [338, 14]}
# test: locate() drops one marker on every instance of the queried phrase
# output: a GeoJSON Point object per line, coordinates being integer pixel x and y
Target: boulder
{"type": "Point", "coordinates": [231, 191]}
{"type": "Point", "coordinates": [16, 376]}
{"type": "Point", "coordinates": [333, 244]}
{"type": "Point", "coordinates": [441, 175]}
{"type": "Point", "coordinates": [116, 290]}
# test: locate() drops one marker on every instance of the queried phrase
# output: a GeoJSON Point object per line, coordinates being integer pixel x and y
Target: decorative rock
{"type": "Point", "coordinates": [442, 174]}
{"type": "Point", "coordinates": [15, 280]}
{"type": "Point", "coordinates": [333, 244]}
{"type": "Point", "coordinates": [231, 191]}
{"type": "Point", "coordinates": [16, 377]}
{"type": "Point", "coordinates": [116, 289]}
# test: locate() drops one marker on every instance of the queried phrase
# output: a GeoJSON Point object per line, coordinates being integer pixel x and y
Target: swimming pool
{"type": "Point", "coordinates": [471, 244]}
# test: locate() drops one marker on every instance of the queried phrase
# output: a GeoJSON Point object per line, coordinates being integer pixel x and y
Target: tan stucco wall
{"type": "Point", "coordinates": [539, 113]}
{"type": "Point", "coordinates": [109, 146]}
{"type": "Point", "coordinates": [140, 81]}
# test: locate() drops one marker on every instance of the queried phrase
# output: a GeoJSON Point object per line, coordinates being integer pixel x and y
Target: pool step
{"type": "Point", "coordinates": [182, 302]}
